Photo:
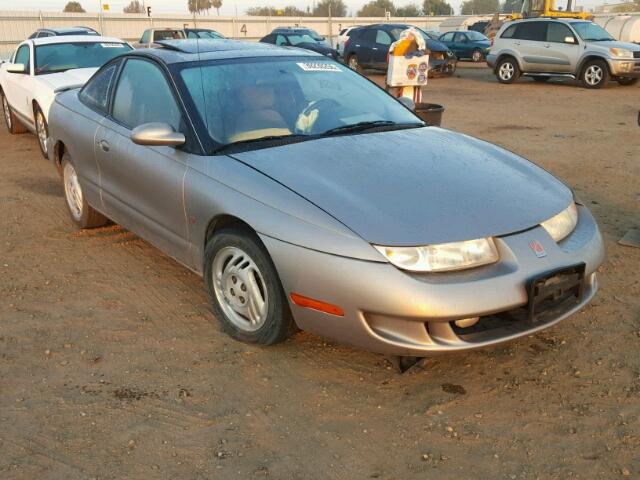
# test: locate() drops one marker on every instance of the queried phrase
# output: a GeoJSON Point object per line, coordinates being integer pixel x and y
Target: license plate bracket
{"type": "Point", "coordinates": [554, 288]}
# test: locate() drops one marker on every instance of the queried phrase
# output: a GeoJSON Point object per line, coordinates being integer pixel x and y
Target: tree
{"type": "Point", "coordinates": [73, 7]}
{"type": "Point", "coordinates": [216, 4]}
{"type": "Point", "coordinates": [289, 11]}
{"type": "Point", "coordinates": [627, 7]}
{"type": "Point", "coordinates": [199, 6]}
{"type": "Point", "coordinates": [411, 10]}
{"type": "Point", "coordinates": [338, 8]}
{"type": "Point", "coordinates": [476, 7]}
{"type": "Point", "coordinates": [436, 7]}
{"type": "Point", "coordinates": [134, 7]}
{"type": "Point", "coordinates": [511, 6]}
{"type": "Point", "coordinates": [377, 8]}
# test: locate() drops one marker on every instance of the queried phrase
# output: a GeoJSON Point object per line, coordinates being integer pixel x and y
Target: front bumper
{"type": "Point", "coordinates": [491, 59]}
{"type": "Point", "coordinates": [390, 311]}
{"type": "Point", "coordinates": [629, 68]}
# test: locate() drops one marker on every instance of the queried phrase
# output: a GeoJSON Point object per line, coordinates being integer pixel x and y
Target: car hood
{"type": "Point", "coordinates": [315, 47]}
{"type": "Point", "coordinates": [415, 187]}
{"type": "Point", "coordinates": [616, 44]}
{"type": "Point", "coordinates": [69, 78]}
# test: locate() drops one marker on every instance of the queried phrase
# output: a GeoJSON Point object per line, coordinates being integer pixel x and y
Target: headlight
{"type": "Point", "coordinates": [442, 257]}
{"type": "Point", "coordinates": [563, 223]}
{"type": "Point", "coordinates": [621, 52]}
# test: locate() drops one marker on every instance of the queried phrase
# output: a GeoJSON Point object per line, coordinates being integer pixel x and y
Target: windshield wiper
{"type": "Point", "coordinates": [361, 126]}
{"type": "Point", "coordinates": [267, 138]}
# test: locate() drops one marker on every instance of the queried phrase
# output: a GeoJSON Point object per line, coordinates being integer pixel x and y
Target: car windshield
{"type": "Point", "coordinates": [475, 36]}
{"type": "Point", "coordinates": [296, 39]}
{"type": "Point", "coordinates": [58, 57]}
{"type": "Point", "coordinates": [590, 32]}
{"type": "Point", "coordinates": [276, 98]}
{"type": "Point", "coordinates": [168, 34]}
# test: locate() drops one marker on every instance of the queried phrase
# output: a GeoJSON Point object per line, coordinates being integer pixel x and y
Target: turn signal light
{"type": "Point", "coordinates": [313, 304]}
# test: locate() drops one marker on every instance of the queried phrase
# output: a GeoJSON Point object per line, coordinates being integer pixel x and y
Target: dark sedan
{"type": "Point", "coordinates": [368, 47]}
{"type": "Point", "coordinates": [300, 39]}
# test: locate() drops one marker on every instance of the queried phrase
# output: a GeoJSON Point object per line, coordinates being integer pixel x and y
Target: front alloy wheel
{"type": "Point", "coordinates": [476, 55]}
{"type": "Point", "coordinates": [595, 74]}
{"type": "Point", "coordinates": [353, 63]}
{"type": "Point", "coordinates": [507, 71]}
{"type": "Point", "coordinates": [42, 131]}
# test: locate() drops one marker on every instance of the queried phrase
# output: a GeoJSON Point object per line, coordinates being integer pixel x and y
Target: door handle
{"type": "Point", "coordinates": [547, 45]}
{"type": "Point", "coordinates": [104, 145]}
{"type": "Point", "coordinates": [357, 45]}
{"type": "Point", "coordinates": [374, 48]}
{"type": "Point", "coordinates": [516, 43]}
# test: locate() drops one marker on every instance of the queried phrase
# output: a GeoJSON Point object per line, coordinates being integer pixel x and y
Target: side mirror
{"type": "Point", "coordinates": [16, 68]}
{"type": "Point", "coordinates": [157, 135]}
{"type": "Point", "coordinates": [569, 40]}
{"type": "Point", "coordinates": [407, 102]}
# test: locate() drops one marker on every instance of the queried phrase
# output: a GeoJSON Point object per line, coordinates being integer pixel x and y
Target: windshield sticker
{"type": "Point", "coordinates": [111, 45]}
{"type": "Point", "coordinates": [318, 67]}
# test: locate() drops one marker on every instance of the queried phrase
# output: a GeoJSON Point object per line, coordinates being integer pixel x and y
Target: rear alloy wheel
{"type": "Point", "coordinates": [625, 81]}
{"type": "Point", "coordinates": [476, 56]}
{"type": "Point", "coordinates": [354, 64]}
{"type": "Point", "coordinates": [42, 131]}
{"type": "Point", "coordinates": [245, 289]}
{"type": "Point", "coordinates": [11, 121]}
{"type": "Point", "coordinates": [595, 74]}
{"type": "Point", "coordinates": [82, 214]}
{"type": "Point", "coordinates": [507, 70]}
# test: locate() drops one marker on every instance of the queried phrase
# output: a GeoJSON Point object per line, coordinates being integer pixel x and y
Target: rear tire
{"type": "Point", "coordinates": [82, 214]}
{"type": "Point", "coordinates": [11, 121]}
{"type": "Point", "coordinates": [353, 63]}
{"type": "Point", "coordinates": [244, 288]}
{"type": "Point", "coordinates": [476, 56]}
{"type": "Point", "coordinates": [595, 74]}
{"type": "Point", "coordinates": [507, 70]}
{"type": "Point", "coordinates": [626, 81]}
{"type": "Point", "coordinates": [42, 130]}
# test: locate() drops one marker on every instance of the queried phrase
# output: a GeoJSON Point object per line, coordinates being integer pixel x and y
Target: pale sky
{"type": "Point", "coordinates": [228, 6]}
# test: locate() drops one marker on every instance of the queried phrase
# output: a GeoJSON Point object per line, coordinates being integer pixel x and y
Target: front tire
{"type": "Point", "coordinates": [507, 70]}
{"type": "Point", "coordinates": [11, 121]}
{"type": "Point", "coordinates": [476, 56]}
{"type": "Point", "coordinates": [244, 288]}
{"type": "Point", "coordinates": [82, 214]}
{"type": "Point", "coordinates": [42, 131]}
{"type": "Point", "coordinates": [595, 74]}
{"type": "Point", "coordinates": [626, 81]}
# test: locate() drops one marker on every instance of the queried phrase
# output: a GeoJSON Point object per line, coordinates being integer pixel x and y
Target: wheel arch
{"type": "Point", "coordinates": [59, 149]}
{"type": "Point", "coordinates": [588, 58]}
{"type": "Point", "coordinates": [506, 54]}
{"type": "Point", "coordinates": [224, 220]}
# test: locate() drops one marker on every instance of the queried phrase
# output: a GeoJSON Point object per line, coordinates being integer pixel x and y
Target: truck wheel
{"type": "Point", "coordinates": [507, 70]}
{"type": "Point", "coordinates": [82, 214]}
{"type": "Point", "coordinates": [13, 124]}
{"type": "Point", "coordinates": [626, 81]}
{"type": "Point", "coordinates": [244, 288]}
{"type": "Point", "coordinates": [595, 74]}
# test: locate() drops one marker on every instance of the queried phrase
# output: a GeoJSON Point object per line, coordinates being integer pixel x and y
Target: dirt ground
{"type": "Point", "coordinates": [113, 367]}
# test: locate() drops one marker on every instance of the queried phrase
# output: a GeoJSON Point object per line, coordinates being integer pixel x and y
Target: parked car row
{"type": "Point", "coordinates": [305, 195]}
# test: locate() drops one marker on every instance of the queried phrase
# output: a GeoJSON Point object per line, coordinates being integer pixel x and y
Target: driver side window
{"type": "Point", "coordinates": [460, 37]}
{"type": "Point", "coordinates": [281, 40]}
{"type": "Point", "coordinates": [144, 96]}
{"type": "Point", "coordinates": [383, 38]}
{"type": "Point", "coordinates": [22, 57]}
{"type": "Point", "coordinates": [447, 37]}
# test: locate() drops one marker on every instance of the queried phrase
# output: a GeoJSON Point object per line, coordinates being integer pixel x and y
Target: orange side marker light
{"type": "Point", "coordinates": [307, 302]}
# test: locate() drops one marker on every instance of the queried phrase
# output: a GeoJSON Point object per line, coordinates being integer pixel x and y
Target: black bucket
{"type": "Point", "coordinates": [430, 113]}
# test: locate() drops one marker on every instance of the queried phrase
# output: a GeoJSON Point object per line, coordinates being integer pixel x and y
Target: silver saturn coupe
{"type": "Point", "coordinates": [309, 198]}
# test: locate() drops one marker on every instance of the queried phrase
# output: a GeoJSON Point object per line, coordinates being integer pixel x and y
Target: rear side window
{"type": "Point", "coordinates": [144, 96]}
{"type": "Point", "coordinates": [383, 38]}
{"type": "Point", "coordinates": [557, 32]}
{"type": "Point", "coordinates": [536, 31]}
{"type": "Point", "coordinates": [447, 37]}
{"type": "Point", "coordinates": [508, 33]}
{"type": "Point", "coordinates": [459, 37]}
{"type": "Point", "coordinates": [369, 35]}
{"type": "Point", "coordinates": [95, 93]}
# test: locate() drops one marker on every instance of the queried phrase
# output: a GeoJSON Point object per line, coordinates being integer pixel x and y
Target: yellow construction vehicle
{"type": "Point", "coordinates": [546, 8]}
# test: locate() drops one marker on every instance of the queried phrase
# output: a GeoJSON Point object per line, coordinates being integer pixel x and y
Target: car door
{"type": "Point", "coordinates": [529, 40]}
{"type": "Point", "coordinates": [562, 48]}
{"type": "Point", "coordinates": [142, 186]}
{"type": "Point", "coordinates": [381, 48]}
{"type": "Point", "coordinates": [460, 45]}
{"type": "Point", "coordinates": [364, 46]}
{"type": "Point", "coordinates": [19, 85]}
{"type": "Point", "coordinates": [447, 39]}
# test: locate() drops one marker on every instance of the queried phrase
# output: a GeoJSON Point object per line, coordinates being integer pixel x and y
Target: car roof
{"type": "Point", "coordinates": [75, 39]}
{"type": "Point", "coordinates": [67, 30]}
{"type": "Point", "coordinates": [190, 50]}
{"type": "Point", "coordinates": [550, 19]}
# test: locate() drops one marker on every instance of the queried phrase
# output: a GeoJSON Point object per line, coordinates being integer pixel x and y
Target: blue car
{"type": "Point", "coordinates": [467, 44]}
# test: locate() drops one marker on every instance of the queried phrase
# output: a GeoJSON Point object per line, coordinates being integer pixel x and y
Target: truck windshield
{"type": "Point", "coordinates": [590, 32]}
{"type": "Point", "coordinates": [58, 57]}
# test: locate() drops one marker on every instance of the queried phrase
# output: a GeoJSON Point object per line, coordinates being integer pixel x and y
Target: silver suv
{"type": "Point", "coordinates": [544, 47]}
